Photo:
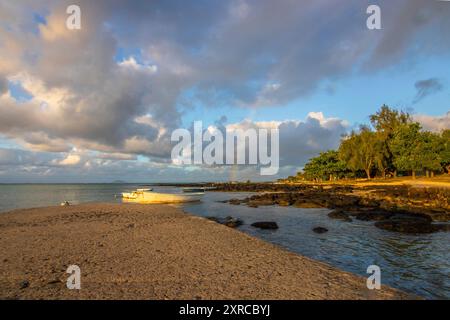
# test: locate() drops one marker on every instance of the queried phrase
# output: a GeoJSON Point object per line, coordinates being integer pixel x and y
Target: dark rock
{"type": "Point", "coordinates": [306, 204]}
{"type": "Point", "coordinates": [265, 225]}
{"type": "Point", "coordinates": [339, 215]}
{"type": "Point", "coordinates": [409, 223]}
{"type": "Point", "coordinates": [372, 215]}
{"type": "Point", "coordinates": [413, 226]}
{"type": "Point", "coordinates": [320, 230]}
{"type": "Point", "coordinates": [215, 219]}
{"type": "Point", "coordinates": [235, 201]}
{"type": "Point", "coordinates": [24, 284]}
{"type": "Point", "coordinates": [342, 201]}
{"type": "Point", "coordinates": [261, 202]}
{"type": "Point", "coordinates": [233, 222]}
{"type": "Point", "coordinates": [228, 221]}
{"type": "Point", "coordinates": [369, 202]}
{"type": "Point", "coordinates": [411, 216]}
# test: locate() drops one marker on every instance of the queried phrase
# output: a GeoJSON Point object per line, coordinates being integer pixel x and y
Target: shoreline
{"type": "Point", "coordinates": [396, 208]}
{"type": "Point", "coordinates": [131, 251]}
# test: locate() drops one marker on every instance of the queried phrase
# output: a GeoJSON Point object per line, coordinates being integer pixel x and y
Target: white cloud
{"type": "Point", "coordinates": [433, 123]}
{"type": "Point", "coordinates": [70, 160]}
{"type": "Point", "coordinates": [131, 63]}
{"type": "Point", "coordinates": [239, 51]}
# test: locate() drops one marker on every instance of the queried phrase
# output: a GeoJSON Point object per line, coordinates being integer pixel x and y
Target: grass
{"type": "Point", "coordinates": [437, 181]}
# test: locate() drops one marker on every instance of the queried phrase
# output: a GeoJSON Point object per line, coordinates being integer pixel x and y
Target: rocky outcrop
{"type": "Point", "coordinates": [228, 221]}
{"type": "Point", "coordinates": [406, 223]}
{"type": "Point", "coordinates": [305, 204]}
{"type": "Point", "coordinates": [371, 203]}
{"type": "Point", "coordinates": [340, 215]}
{"type": "Point", "coordinates": [372, 215]}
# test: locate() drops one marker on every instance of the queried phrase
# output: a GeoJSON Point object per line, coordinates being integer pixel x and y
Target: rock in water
{"type": "Point", "coordinates": [235, 201]}
{"type": "Point", "coordinates": [320, 230]}
{"type": "Point", "coordinates": [306, 204]}
{"type": "Point", "coordinates": [406, 223]}
{"type": "Point", "coordinates": [339, 215]}
{"type": "Point", "coordinates": [377, 215]}
{"type": "Point", "coordinates": [265, 225]}
{"type": "Point", "coordinates": [228, 221]}
{"type": "Point", "coordinates": [233, 222]}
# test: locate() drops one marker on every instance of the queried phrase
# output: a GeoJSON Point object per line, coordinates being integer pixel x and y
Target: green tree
{"type": "Point", "coordinates": [327, 164]}
{"type": "Point", "coordinates": [431, 148]}
{"type": "Point", "coordinates": [383, 155]}
{"type": "Point", "coordinates": [415, 150]}
{"type": "Point", "coordinates": [361, 151]}
{"type": "Point", "coordinates": [445, 152]}
{"type": "Point", "coordinates": [386, 121]}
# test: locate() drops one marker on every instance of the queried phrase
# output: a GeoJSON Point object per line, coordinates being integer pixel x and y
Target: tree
{"type": "Point", "coordinates": [383, 155]}
{"type": "Point", "coordinates": [445, 152]}
{"type": "Point", "coordinates": [414, 150]}
{"type": "Point", "coordinates": [327, 164]}
{"type": "Point", "coordinates": [386, 122]}
{"type": "Point", "coordinates": [361, 151]}
{"type": "Point", "coordinates": [430, 149]}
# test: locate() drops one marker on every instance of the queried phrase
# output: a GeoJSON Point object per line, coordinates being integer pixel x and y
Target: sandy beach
{"type": "Point", "coordinates": [128, 251]}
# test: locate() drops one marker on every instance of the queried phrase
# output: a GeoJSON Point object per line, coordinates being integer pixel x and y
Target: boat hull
{"type": "Point", "coordinates": [155, 197]}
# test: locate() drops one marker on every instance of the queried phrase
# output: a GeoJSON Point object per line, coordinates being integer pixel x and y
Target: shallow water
{"type": "Point", "coordinates": [418, 264]}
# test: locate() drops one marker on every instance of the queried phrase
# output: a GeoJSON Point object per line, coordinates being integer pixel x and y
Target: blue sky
{"type": "Point", "coordinates": [100, 103]}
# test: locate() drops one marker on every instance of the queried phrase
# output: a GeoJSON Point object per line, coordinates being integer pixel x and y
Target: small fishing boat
{"type": "Point", "coordinates": [149, 196]}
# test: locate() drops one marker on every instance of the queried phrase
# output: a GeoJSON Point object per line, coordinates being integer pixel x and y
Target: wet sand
{"type": "Point", "coordinates": [129, 251]}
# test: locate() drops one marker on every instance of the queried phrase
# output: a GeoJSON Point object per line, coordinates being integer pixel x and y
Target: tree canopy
{"type": "Point", "coordinates": [327, 164]}
{"type": "Point", "coordinates": [393, 143]}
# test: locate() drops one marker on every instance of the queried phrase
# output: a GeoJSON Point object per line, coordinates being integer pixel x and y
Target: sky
{"type": "Point", "coordinates": [99, 104]}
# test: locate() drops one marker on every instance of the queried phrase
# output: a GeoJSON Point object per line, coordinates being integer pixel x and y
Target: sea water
{"type": "Point", "coordinates": [418, 264]}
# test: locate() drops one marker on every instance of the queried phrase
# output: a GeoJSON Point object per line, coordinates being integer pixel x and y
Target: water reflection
{"type": "Point", "coordinates": [418, 264]}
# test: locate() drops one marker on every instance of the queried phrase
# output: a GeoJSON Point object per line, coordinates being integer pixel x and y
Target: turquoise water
{"type": "Point", "coordinates": [418, 264]}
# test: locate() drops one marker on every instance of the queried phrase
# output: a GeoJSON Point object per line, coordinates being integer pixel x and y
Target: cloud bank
{"type": "Point", "coordinates": [107, 97]}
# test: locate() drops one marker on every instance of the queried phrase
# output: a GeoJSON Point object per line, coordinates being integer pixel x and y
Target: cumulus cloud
{"type": "Point", "coordinates": [70, 160]}
{"type": "Point", "coordinates": [434, 123]}
{"type": "Point", "coordinates": [301, 140]}
{"type": "Point", "coordinates": [298, 140]}
{"type": "Point", "coordinates": [427, 87]}
{"type": "Point", "coordinates": [120, 84]}
{"type": "Point", "coordinates": [3, 85]}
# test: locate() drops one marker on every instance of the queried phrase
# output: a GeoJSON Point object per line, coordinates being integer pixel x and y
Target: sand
{"type": "Point", "coordinates": [129, 251]}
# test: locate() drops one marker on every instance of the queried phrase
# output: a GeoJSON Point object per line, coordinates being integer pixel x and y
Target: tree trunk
{"type": "Point", "coordinates": [395, 173]}
{"type": "Point", "coordinates": [331, 177]}
{"type": "Point", "coordinates": [432, 174]}
{"type": "Point", "coordinates": [414, 174]}
{"type": "Point", "coordinates": [427, 173]}
{"type": "Point", "coordinates": [368, 173]}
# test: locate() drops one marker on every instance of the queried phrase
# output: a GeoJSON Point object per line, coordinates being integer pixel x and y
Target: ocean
{"type": "Point", "coordinates": [418, 264]}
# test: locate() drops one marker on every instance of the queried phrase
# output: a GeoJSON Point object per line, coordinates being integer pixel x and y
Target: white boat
{"type": "Point", "coordinates": [148, 196]}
